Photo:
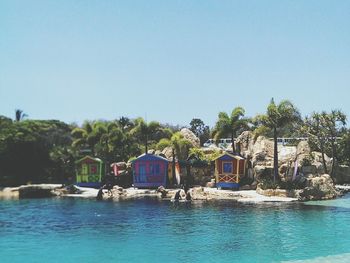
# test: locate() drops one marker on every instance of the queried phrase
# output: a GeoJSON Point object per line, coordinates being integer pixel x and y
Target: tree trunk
{"type": "Point", "coordinates": [146, 144]}
{"type": "Point", "coordinates": [173, 173]}
{"type": "Point", "coordinates": [233, 143]}
{"type": "Point", "coordinates": [275, 156]}
{"type": "Point", "coordinates": [323, 158]}
{"type": "Point", "coordinates": [188, 182]}
{"type": "Point", "coordinates": [333, 156]}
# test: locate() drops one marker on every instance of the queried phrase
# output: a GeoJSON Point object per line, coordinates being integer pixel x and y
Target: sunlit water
{"type": "Point", "coordinates": [67, 230]}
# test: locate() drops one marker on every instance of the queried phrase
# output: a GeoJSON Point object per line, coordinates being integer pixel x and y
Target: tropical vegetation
{"type": "Point", "coordinates": [45, 150]}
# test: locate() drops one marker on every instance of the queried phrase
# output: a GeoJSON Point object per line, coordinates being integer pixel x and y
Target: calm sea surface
{"type": "Point", "coordinates": [67, 230]}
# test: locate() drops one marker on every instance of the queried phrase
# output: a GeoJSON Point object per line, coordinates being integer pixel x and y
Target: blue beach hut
{"type": "Point", "coordinates": [150, 171]}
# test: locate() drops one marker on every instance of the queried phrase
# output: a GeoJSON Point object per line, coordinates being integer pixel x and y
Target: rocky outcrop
{"type": "Point", "coordinates": [201, 175]}
{"type": "Point", "coordinates": [245, 142]}
{"type": "Point", "coordinates": [318, 188]}
{"type": "Point", "coordinates": [263, 172]}
{"type": "Point", "coordinates": [151, 151]}
{"type": "Point", "coordinates": [168, 152]}
{"type": "Point", "coordinates": [278, 192]}
{"type": "Point", "coordinates": [262, 152]}
{"type": "Point", "coordinates": [9, 193]}
{"type": "Point", "coordinates": [38, 190]}
{"type": "Point", "coordinates": [190, 136]}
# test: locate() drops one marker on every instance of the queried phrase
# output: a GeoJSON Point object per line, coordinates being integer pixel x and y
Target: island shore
{"type": "Point", "coordinates": [119, 193]}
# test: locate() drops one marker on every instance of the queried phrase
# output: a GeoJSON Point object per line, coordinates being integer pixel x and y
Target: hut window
{"type": "Point", "coordinates": [93, 169]}
{"type": "Point", "coordinates": [227, 167]}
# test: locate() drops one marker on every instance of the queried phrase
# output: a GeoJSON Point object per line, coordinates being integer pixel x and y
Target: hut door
{"type": "Point", "coordinates": [142, 173]}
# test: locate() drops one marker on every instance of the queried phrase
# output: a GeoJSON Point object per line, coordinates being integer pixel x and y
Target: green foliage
{"type": "Point", "coordinates": [201, 130]}
{"type": "Point", "coordinates": [197, 153]}
{"type": "Point", "coordinates": [344, 148]}
{"type": "Point", "coordinates": [29, 150]}
{"type": "Point", "coordinates": [230, 126]}
{"type": "Point", "coordinates": [277, 117]}
{"type": "Point", "coordinates": [213, 156]}
{"type": "Point", "coordinates": [19, 115]}
{"type": "Point", "coordinates": [322, 130]}
{"type": "Point", "coordinates": [163, 143]}
{"type": "Point", "coordinates": [149, 133]}
{"type": "Point", "coordinates": [45, 150]}
{"type": "Point", "coordinates": [181, 145]}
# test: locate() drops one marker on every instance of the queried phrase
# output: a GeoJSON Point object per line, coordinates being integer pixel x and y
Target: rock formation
{"type": "Point", "coordinates": [318, 188]}
{"type": "Point", "coordinates": [190, 136]}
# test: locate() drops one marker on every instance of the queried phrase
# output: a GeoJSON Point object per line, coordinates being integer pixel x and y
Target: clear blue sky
{"type": "Point", "coordinates": [171, 60]}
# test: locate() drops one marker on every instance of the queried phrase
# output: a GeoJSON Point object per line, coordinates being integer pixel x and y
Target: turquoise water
{"type": "Point", "coordinates": [67, 230]}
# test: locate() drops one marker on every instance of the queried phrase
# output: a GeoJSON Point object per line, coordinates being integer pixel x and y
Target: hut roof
{"type": "Point", "coordinates": [150, 157]}
{"type": "Point", "coordinates": [89, 157]}
{"type": "Point", "coordinates": [229, 156]}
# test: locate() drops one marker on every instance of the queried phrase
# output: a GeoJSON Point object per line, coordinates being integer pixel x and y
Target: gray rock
{"type": "Point", "coordinates": [246, 143]}
{"type": "Point", "coordinates": [318, 188]}
{"type": "Point", "coordinates": [201, 175]}
{"type": "Point", "coordinates": [151, 151]}
{"type": "Point", "coordinates": [263, 172]}
{"type": "Point", "coordinates": [38, 190]}
{"type": "Point", "coordinates": [262, 151]}
{"type": "Point", "coordinates": [168, 152]}
{"type": "Point", "coordinates": [190, 136]}
{"type": "Point", "coordinates": [310, 169]}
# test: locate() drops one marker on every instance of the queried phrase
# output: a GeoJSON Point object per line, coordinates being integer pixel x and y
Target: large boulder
{"type": "Point", "coordinates": [263, 172]}
{"type": "Point", "coordinates": [190, 136]}
{"type": "Point", "coordinates": [168, 152]}
{"type": "Point", "coordinates": [151, 151]}
{"type": "Point", "coordinates": [318, 188]}
{"type": "Point", "coordinates": [38, 190]}
{"type": "Point", "coordinates": [262, 152]}
{"type": "Point", "coordinates": [201, 175]}
{"type": "Point", "coordinates": [245, 143]}
{"type": "Point", "coordinates": [303, 147]}
{"type": "Point", "coordinates": [286, 154]}
{"type": "Point", "coordinates": [317, 160]}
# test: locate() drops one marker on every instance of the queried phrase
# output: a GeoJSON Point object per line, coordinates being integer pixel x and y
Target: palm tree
{"type": "Point", "coordinates": [103, 139]}
{"type": "Point", "coordinates": [230, 125]}
{"type": "Point", "coordinates": [145, 131]}
{"type": "Point", "coordinates": [125, 123]}
{"type": "Point", "coordinates": [276, 117]}
{"type": "Point", "coordinates": [19, 115]}
{"type": "Point", "coordinates": [81, 135]}
{"type": "Point", "coordinates": [180, 149]}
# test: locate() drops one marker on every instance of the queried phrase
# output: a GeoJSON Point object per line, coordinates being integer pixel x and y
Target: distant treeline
{"type": "Point", "coordinates": [40, 151]}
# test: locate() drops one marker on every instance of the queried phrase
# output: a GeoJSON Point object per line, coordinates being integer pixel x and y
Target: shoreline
{"type": "Point", "coordinates": [119, 193]}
